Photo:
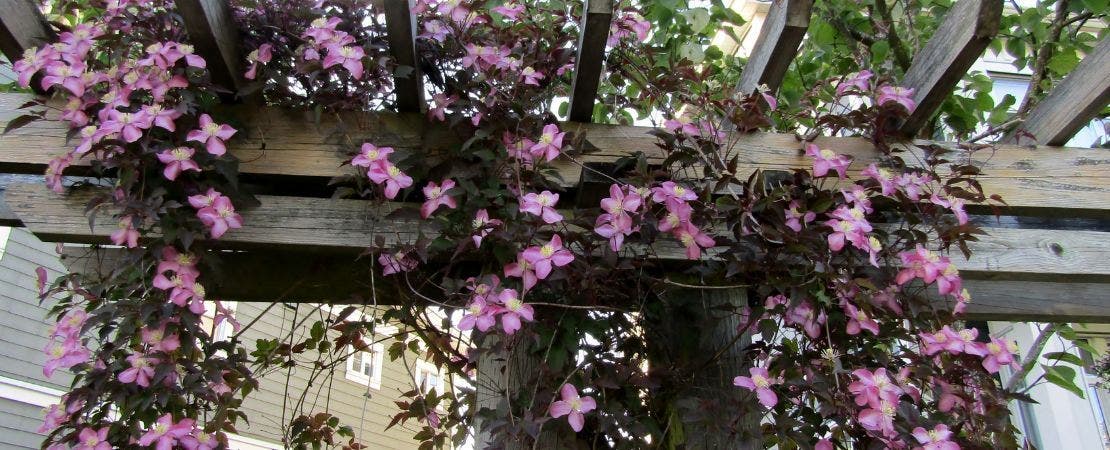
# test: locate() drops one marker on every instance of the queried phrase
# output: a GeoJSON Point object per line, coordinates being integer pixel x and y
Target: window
{"type": "Point", "coordinates": [428, 377]}
{"type": "Point", "coordinates": [365, 367]}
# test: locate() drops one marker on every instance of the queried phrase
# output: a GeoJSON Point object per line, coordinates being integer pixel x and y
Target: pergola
{"type": "Point", "coordinates": [1051, 272]}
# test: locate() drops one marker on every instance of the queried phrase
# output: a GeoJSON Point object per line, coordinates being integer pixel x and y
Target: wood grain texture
{"type": "Point", "coordinates": [299, 223]}
{"type": "Point", "coordinates": [776, 46]}
{"type": "Point", "coordinates": [1080, 97]}
{"type": "Point", "coordinates": [1044, 181]}
{"type": "Point", "coordinates": [401, 29]}
{"type": "Point", "coordinates": [966, 31]}
{"type": "Point", "coordinates": [596, 18]}
{"type": "Point", "coordinates": [1038, 301]}
{"type": "Point", "coordinates": [216, 38]}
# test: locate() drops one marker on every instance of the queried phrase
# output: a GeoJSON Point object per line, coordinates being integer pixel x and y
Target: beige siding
{"type": "Point", "coordinates": [338, 395]}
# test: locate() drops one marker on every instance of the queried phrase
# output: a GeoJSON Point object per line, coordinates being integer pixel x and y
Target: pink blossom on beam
{"type": "Point", "coordinates": [549, 144]}
{"type": "Point", "coordinates": [177, 160]}
{"type": "Point", "coordinates": [213, 135]}
{"type": "Point", "coordinates": [547, 256]}
{"type": "Point", "coordinates": [897, 95]}
{"type": "Point", "coordinates": [369, 154]}
{"type": "Point", "coordinates": [825, 160]}
{"type": "Point", "coordinates": [542, 205]}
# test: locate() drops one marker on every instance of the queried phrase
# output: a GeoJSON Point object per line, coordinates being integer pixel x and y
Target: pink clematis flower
{"type": "Point", "coordinates": [479, 314]}
{"type": "Point", "coordinates": [436, 196]}
{"type": "Point", "coordinates": [683, 125]}
{"type": "Point", "coordinates": [65, 354]}
{"type": "Point", "coordinates": [220, 217]}
{"type": "Point", "coordinates": [165, 432]}
{"type": "Point", "coordinates": [199, 440]}
{"type": "Point", "coordinates": [522, 269]}
{"type": "Point", "coordinates": [509, 9]}
{"type": "Point", "coordinates": [71, 77]}
{"type": "Point", "coordinates": [898, 95]}
{"type": "Point", "coordinates": [996, 353]}
{"type": "Point", "coordinates": [678, 215]}
{"type": "Point", "coordinates": [619, 205]}
{"type": "Point", "coordinates": [543, 258]}
{"type": "Point", "coordinates": [370, 154]}
{"type": "Point", "coordinates": [482, 224]}
{"type": "Point", "coordinates": [921, 263]}
{"type": "Point", "coordinates": [129, 125]}
{"type": "Point", "coordinates": [573, 406]}
{"type": "Point", "coordinates": [258, 56]}
{"type": "Point", "coordinates": [33, 61]}
{"type": "Point", "coordinates": [886, 180]}
{"type": "Point", "coordinates": [93, 439]}
{"type": "Point", "coordinates": [177, 262]}
{"type": "Point", "coordinates": [513, 311]}
{"type": "Point", "coordinates": [935, 439]}
{"type": "Point", "coordinates": [212, 135]}
{"type": "Point", "coordinates": [177, 160]}
{"type": "Point", "coordinates": [70, 325]}
{"type": "Point", "coordinates": [542, 205]}
{"type": "Point", "coordinates": [824, 444]}
{"type": "Point", "coordinates": [873, 388]}
{"type": "Point", "coordinates": [550, 143]}
{"type": "Point", "coordinates": [795, 219]}
{"type": "Point", "coordinates": [435, 30]}
{"type": "Point", "coordinates": [531, 76]}
{"type": "Point", "coordinates": [159, 341]}
{"type": "Point", "coordinates": [693, 239]}
{"type": "Point", "coordinates": [880, 419]}
{"type": "Point", "coordinates": [126, 234]}
{"type": "Point", "coordinates": [141, 371]}
{"type": "Point", "coordinates": [518, 148]}
{"type": "Point", "coordinates": [161, 117]}
{"type": "Point", "coordinates": [348, 56]}
{"type": "Point", "coordinates": [396, 263]}
{"type": "Point", "coordinates": [671, 190]}
{"type": "Point", "coordinates": [804, 315]}
{"type": "Point", "coordinates": [382, 172]}
{"type": "Point", "coordinates": [824, 160]}
{"type": "Point", "coordinates": [760, 382]}
{"type": "Point", "coordinates": [53, 417]}
{"type": "Point", "coordinates": [913, 183]}
{"type": "Point", "coordinates": [859, 81]}
{"type": "Point", "coordinates": [859, 320]}
{"type": "Point", "coordinates": [441, 103]}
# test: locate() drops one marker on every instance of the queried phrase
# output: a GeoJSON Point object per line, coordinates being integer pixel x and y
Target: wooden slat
{"type": "Point", "coordinates": [776, 46]}
{"type": "Point", "coordinates": [216, 38]}
{"type": "Point", "coordinates": [401, 28]}
{"type": "Point", "coordinates": [279, 143]}
{"type": "Point", "coordinates": [296, 223]}
{"type": "Point", "coordinates": [1038, 301]}
{"type": "Point", "coordinates": [596, 18]}
{"type": "Point", "coordinates": [966, 31]}
{"type": "Point", "coordinates": [1081, 96]}
{"type": "Point", "coordinates": [22, 27]}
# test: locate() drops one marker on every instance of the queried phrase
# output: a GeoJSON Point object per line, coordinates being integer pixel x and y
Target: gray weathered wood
{"type": "Point", "coordinates": [216, 38]}
{"type": "Point", "coordinates": [596, 18]}
{"type": "Point", "coordinates": [1071, 105]}
{"type": "Point", "coordinates": [1038, 301]}
{"type": "Point", "coordinates": [291, 144]}
{"type": "Point", "coordinates": [401, 28]}
{"type": "Point", "coordinates": [966, 31]}
{"type": "Point", "coordinates": [22, 27]}
{"type": "Point", "coordinates": [776, 46]}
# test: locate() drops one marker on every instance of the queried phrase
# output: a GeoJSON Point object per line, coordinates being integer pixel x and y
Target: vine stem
{"type": "Point", "coordinates": [1031, 357]}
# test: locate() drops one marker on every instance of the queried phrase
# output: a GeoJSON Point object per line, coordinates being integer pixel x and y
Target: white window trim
{"type": "Point", "coordinates": [422, 367]}
{"type": "Point", "coordinates": [374, 380]}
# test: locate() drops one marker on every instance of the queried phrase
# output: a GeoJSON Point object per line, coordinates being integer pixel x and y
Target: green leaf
{"type": "Point", "coordinates": [1063, 62]}
{"type": "Point", "coordinates": [698, 18]}
{"type": "Point", "coordinates": [880, 50]}
{"type": "Point", "coordinates": [1062, 376]}
{"type": "Point", "coordinates": [1064, 357]}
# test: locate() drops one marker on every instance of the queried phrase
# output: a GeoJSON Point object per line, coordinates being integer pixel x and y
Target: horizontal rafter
{"type": "Point", "coordinates": [284, 144]}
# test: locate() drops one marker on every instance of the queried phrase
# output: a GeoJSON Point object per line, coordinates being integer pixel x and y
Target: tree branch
{"type": "Point", "coordinates": [1044, 53]}
{"type": "Point", "coordinates": [901, 54]}
{"type": "Point", "coordinates": [1031, 357]}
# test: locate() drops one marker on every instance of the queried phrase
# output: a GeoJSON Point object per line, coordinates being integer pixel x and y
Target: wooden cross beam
{"type": "Point", "coordinates": [1082, 95]}
{"type": "Point", "coordinates": [400, 26]}
{"type": "Point", "coordinates": [282, 144]}
{"type": "Point", "coordinates": [216, 38]}
{"type": "Point", "coordinates": [597, 15]}
{"type": "Point", "coordinates": [776, 46]}
{"type": "Point", "coordinates": [967, 30]}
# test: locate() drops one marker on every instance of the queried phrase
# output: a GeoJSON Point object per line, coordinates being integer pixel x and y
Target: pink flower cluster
{"type": "Point", "coordinates": [629, 25]}
{"type": "Point", "coordinates": [396, 263]}
{"type": "Point", "coordinates": [66, 349]}
{"type": "Point", "coordinates": [536, 263]}
{"type": "Point", "coordinates": [860, 84]}
{"type": "Point", "coordinates": [616, 223]}
{"type": "Point", "coordinates": [167, 433]}
{"type": "Point", "coordinates": [675, 198]}
{"type": "Point", "coordinates": [57, 414]}
{"type": "Point", "coordinates": [380, 170]}
{"type": "Point", "coordinates": [322, 35]}
{"type": "Point", "coordinates": [488, 302]}
{"type": "Point", "coordinates": [703, 128]}
{"type": "Point", "coordinates": [181, 283]}
{"type": "Point", "coordinates": [924, 264]}
{"type": "Point", "coordinates": [878, 393]}
{"type": "Point", "coordinates": [995, 354]}
{"type": "Point", "coordinates": [216, 212]}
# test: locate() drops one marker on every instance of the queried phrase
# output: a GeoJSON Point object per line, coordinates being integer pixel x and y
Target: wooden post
{"type": "Point", "coordinates": [959, 41]}
{"type": "Point", "coordinates": [216, 38]}
{"type": "Point", "coordinates": [596, 18]}
{"type": "Point", "coordinates": [22, 27]}
{"type": "Point", "coordinates": [1071, 105]}
{"type": "Point", "coordinates": [777, 45]}
{"type": "Point", "coordinates": [401, 27]}
{"type": "Point", "coordinates": [510, 373]}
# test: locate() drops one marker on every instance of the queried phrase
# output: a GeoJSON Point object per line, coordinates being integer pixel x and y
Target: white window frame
{"type": "Point", "coordinates": [375, 353]}
{"type": "Point", "coordinates": [421, 370]}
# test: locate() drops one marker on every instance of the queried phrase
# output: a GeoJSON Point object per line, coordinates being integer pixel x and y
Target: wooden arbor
{"type": "Point", "coordinates": [1053, 271]}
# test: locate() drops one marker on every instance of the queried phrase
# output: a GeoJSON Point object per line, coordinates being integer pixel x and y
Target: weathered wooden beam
{"type": "Point", "coordinates": [400, 26]}
{"type": "Point", "coordinates": [22, 27]}
{"type": "Point", "coordinates": [216, 38]}
{"type": "Point", "coordinates": [283, 144]}
{"type": "Point", "coordinates": [295, 223]}
{"type": "Point", "coordinates": [596, 18]}
{"type": "Point", "coordinates": [776, 46]}
{"type": "Point", "coordinates": [1070, 106]}
{"type": "Point", "coordinates": [966, 31]}
{"type": "Point", "coordinates": [298, 276]}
